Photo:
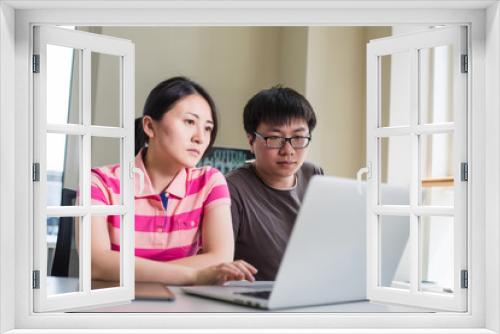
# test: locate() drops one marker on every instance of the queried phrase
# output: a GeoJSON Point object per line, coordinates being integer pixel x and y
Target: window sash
{"type": "Point", "coordinates": [86, 43]}
{"type": "Point", "coordinates": [456, 301]}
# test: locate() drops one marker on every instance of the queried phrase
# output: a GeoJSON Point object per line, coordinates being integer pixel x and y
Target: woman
{"type": "Point", "coordinates": [183, 231]}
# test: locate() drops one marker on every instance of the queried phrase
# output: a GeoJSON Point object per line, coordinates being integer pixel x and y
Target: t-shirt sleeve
{"type": "Point", "coordinates": [218, 193]}
{"type": "Point", "coordinates": [236, 208]}
{"type": "Point", "coordinates": [318, 170]}
{"type": "Point", "coordinates": [98, 192]}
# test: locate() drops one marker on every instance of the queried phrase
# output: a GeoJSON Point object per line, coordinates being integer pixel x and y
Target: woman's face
{"type": "Point", "coordinates": [183, 134]}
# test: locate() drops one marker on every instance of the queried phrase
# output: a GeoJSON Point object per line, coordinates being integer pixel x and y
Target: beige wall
{"type": "Point", "coordinates": [336, 87]}
{"type": "Point", "coordinates": [232, 63]}
{"type": "Point", "coordinates": [293, 58]}
{"type": "Point", "coordinates": [325, 64]}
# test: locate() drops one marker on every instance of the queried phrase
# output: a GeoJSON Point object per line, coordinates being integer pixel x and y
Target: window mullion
{"type": "Point", "coordinates": [85, 251]}
{"type": "Point", "coordinates": [414, 172]}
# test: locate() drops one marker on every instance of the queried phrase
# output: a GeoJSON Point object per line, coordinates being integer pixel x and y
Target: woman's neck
{"type": "Point", "coordinates": [160, 172]}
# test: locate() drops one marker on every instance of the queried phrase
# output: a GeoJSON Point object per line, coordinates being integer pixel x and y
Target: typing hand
{"type": "Point", "coordinates": [231, 271]}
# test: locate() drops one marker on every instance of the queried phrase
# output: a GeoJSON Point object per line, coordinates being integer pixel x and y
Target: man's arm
{"type": "Point", "coordinates": [236, 208]}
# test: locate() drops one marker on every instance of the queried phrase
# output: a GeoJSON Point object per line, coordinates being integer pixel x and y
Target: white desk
{"type": "Point", "coordinates": [189, 303]}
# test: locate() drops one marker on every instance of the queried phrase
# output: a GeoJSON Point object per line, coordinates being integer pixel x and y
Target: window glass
{"type": "Point", "coordinates": [63, 85]}
{"type": "Point", "coordinates": [436, 254]}
{"type": "Point", "coordinates": [394, 168]}
{"type": "Point", "coordinates": [435, 85]}
{"type": "Point", "coordinates": [394, 270]}
{"type": "Point", "coordinates": [106, 90]}
{"type": "Point", "coordinates": [436, 170]}
{"type": "Point", "coordinates": [63, 266]}
{"type": "Point", "coordinates": [394, 92]}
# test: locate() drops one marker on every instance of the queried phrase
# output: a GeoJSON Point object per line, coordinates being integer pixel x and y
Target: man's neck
{"type": "Point", "coordinates": [280, 183]}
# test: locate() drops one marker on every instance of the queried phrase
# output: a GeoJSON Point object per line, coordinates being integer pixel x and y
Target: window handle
{"type": "Point", "coordinates": [134, 170]}
{"type": "Point", "coordinates": [365, 170]}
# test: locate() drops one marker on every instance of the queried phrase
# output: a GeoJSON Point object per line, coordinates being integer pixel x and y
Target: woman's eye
{"type": "Point", "coordinates": [209, 129]}
{"type": "Point", "coordinates": [189, 121]}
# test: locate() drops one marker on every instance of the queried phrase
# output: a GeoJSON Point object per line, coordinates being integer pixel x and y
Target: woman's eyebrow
{"type": "Point", "coordinates": [198, 117]}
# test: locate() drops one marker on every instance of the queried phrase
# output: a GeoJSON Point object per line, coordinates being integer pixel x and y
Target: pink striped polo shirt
{"type": "Point", "coordinates": [163, 234]}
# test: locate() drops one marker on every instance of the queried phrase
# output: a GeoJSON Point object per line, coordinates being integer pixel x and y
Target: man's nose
{"type": "Point", "coordinates": [287, 148]}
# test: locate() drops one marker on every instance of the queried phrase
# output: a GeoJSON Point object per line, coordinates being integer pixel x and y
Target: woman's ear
{"type": "Point", "coordinates": [147, 125]}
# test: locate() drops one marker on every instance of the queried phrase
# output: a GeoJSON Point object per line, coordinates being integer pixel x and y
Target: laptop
{"type": "Point", "coordinates": [325, 259]}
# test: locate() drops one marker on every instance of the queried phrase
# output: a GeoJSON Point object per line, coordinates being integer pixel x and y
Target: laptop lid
{"type": "Point", "coordinates": [325, 260]}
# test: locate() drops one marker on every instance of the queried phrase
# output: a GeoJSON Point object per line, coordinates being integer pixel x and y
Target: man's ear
{"type": "Point", "coordinates": [147, 125]}
{"type": "Point", "coordinates": [251, 139]}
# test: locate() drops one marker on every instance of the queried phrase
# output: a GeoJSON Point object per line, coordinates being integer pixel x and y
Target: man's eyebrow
{"type": "Point", "coordinates": [302, 128]}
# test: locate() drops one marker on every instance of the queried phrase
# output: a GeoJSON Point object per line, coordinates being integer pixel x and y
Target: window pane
{"type": "Point", "coordinates": [394, 257]}
{"type": "Point", "coordinates": [62, 256]}
{"type": "Point", "coordinates": [111, 277]}
{"type": "Point", "coordinates": [63, 169]}
{"type": "Point", "coordinates": [106, 171]}
{"type": "Point", "coordinates": [436, 253]}
{"type": "Point", "coordinates": [436, 169]}
{"type": "Point", "coordinates": [394, 168]}
{"type": "Point", "coordinates": [106, 90]}
{"type": "Point", "coordinates": [63, 85]}
{"type": "Point", "coordinates": [435, 85]}
{"type": "Point", "coordinates": [394, 76]}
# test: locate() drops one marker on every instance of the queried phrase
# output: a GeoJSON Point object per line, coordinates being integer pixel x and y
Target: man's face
{"type": "Point", "coordinates": [279, 163]}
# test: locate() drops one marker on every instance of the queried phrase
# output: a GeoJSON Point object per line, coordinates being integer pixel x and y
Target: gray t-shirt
{"type": "Point", "coordinates": [263, 217]}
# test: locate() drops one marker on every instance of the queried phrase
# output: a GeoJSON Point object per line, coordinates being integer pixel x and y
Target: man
{"type": "Point", "coordinates": [266, 194]}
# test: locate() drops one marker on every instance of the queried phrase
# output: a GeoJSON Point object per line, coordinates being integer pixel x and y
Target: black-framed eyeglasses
{"type": "Point", "coordinates": [279, 142]}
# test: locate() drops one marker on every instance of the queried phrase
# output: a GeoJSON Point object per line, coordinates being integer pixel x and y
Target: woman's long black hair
{"type": "Point", "coordinates": [163, 97]}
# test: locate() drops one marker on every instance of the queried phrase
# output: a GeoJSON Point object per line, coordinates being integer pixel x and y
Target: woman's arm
{"type": "Point", "coordinates": [106, 265]}
{"type": "Point", "coordinates": [106, 262]}
{"type": "Point", "coordinates": [218, 239]}
{"type": "Point", "coordinates": [218, 245]}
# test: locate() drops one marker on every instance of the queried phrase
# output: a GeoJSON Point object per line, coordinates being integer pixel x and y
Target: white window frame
{"type": "Point", "coordinates": [411, 43]}
{"type": "Point", "coordinates": [16, 17]}
{"type": "Point", "coordinates": [86, 43]}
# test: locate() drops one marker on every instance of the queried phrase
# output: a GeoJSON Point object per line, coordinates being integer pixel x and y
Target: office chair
{"type": "Point", "coordinates": [60, 264]}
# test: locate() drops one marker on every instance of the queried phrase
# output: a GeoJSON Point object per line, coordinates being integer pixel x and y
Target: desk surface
{"type": "Point", "coordinates": [188, 303]}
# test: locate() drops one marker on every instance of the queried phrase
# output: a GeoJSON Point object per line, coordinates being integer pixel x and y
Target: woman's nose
{"type": "Point", "coordinates": [198, 136]}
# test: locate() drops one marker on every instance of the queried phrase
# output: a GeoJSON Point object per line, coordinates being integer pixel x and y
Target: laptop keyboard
{"type": "Point", "coordinates": [256, 294]}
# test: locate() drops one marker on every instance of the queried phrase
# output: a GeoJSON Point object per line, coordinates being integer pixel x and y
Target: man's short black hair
{"type": "Point", "coordinates": [277, 106]}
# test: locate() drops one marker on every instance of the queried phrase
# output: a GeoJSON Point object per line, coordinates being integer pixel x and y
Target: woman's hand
{"type": "Point", "coordinates": [231, 271]}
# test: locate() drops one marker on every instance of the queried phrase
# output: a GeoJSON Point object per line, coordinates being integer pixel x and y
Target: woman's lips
{"type": "Point", "coordinates": [194, 151]}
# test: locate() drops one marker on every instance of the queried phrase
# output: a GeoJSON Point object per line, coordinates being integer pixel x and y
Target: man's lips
{"type": "Point", "coordinates": [287, 162]}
